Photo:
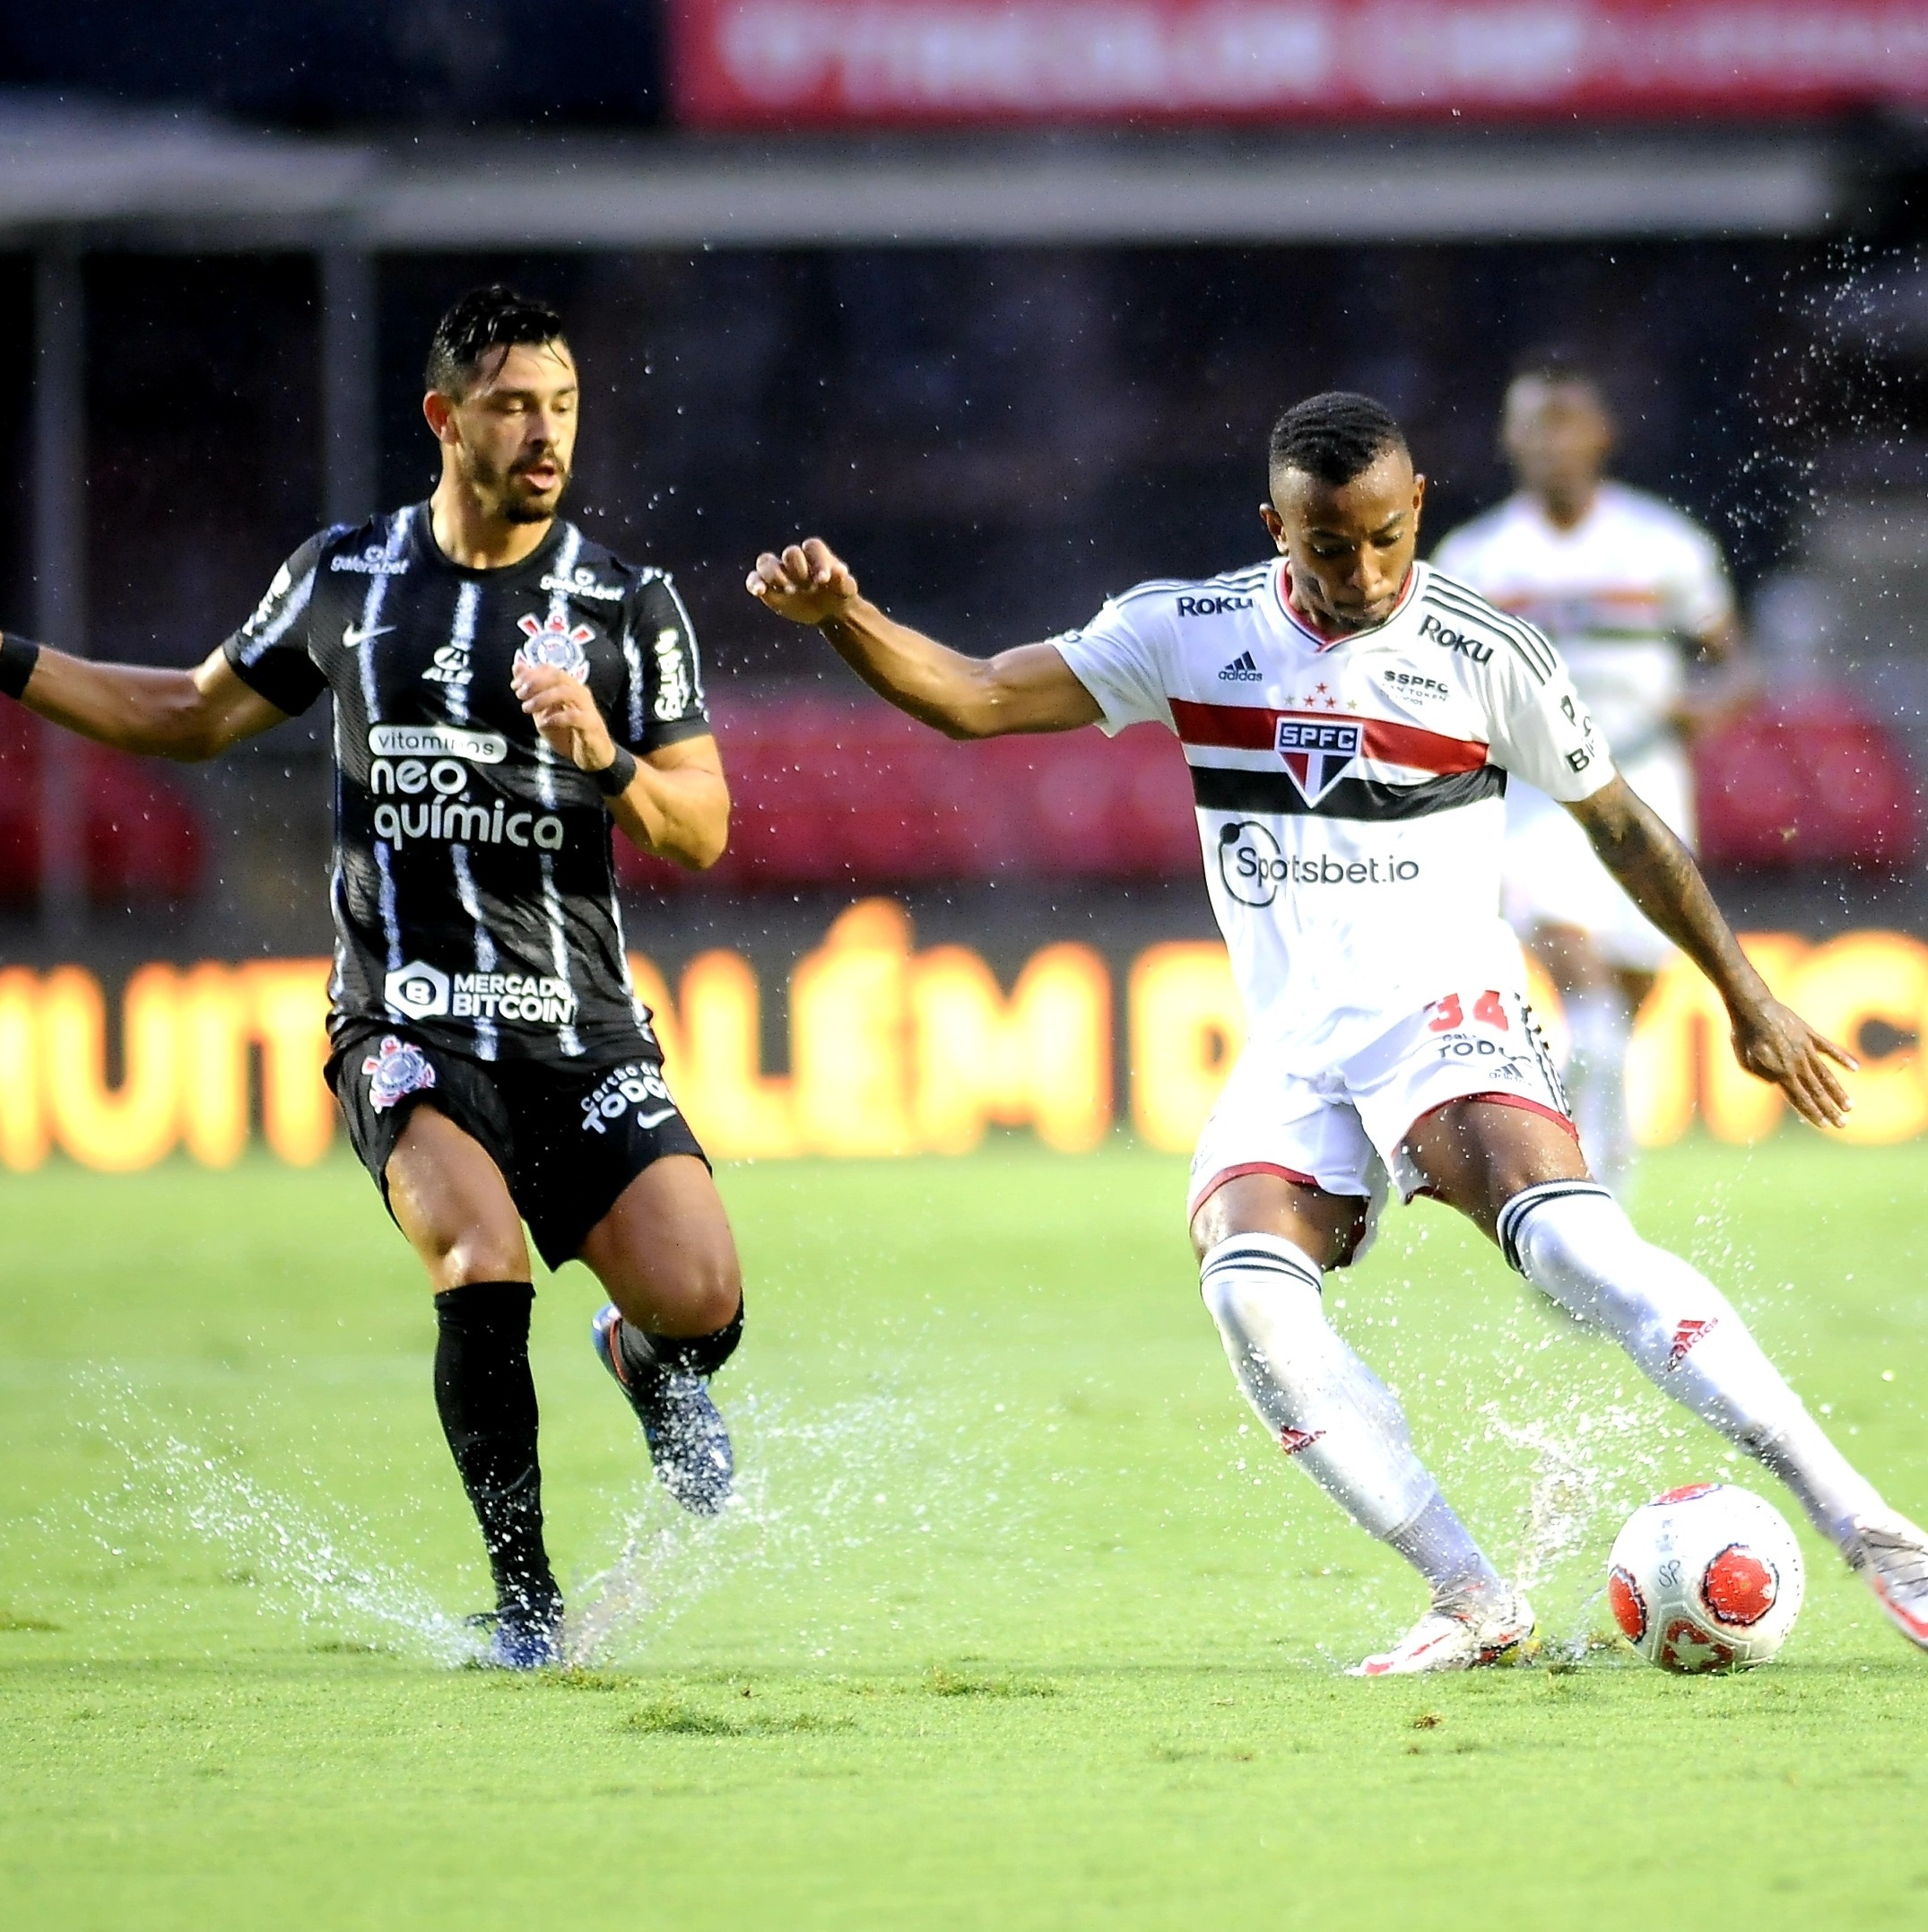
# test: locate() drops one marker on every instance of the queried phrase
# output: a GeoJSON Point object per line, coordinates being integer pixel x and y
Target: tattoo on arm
{"type": "Point", "coordinates": [1660, 876]}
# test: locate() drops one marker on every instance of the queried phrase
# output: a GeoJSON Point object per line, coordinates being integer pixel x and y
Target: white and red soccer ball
{"type": "Point", "coordinates": [1705, 1577]}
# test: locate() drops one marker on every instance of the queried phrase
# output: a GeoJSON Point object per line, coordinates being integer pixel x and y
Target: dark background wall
{"type": "Point", "coordinates": [999, 438]}
{"type": "Point", "coordinates": [340, 63]}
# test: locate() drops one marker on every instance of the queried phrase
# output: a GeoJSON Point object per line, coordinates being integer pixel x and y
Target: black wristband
{"type": "Point", "coordinates": [18, 657]}
{"type": "Point", "coordinates": [614, 779]}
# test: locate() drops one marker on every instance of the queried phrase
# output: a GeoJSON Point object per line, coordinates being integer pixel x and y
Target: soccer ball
{"type": "Point", "coordinates": [1705, 1577]}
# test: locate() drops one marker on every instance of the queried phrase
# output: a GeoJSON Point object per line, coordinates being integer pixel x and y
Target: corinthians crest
{"type": "Point", "coordinates": [1318, 751]}
{"type": "Point", "coordinates": [399, 1068]}
{"type": "Point", "coordinates": [553, 639]}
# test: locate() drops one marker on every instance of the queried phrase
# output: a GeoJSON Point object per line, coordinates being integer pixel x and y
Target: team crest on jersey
{"type": "Point", "coordinates": [553, 639]}
{"type": "Point", "coordinates": [1318, 751]}
{"type": "Point", "coordinates": [397, 1068]}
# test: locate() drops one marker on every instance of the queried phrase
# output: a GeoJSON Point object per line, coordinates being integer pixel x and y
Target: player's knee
{"type": "Point", "coordinates": [710, 1296]}
{"type": "Point", "coordinates": [699, 1293]}
{"type": "Point", "coordinates": [479, 1255]}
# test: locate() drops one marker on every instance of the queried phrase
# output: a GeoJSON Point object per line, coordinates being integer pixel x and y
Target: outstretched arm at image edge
{"type": "Point", "coordinates": [1029, 689]}
{"type": "Point", "coordinates": [184, 715]}
{"type": "Point", "coordinates": [1771, 1040]}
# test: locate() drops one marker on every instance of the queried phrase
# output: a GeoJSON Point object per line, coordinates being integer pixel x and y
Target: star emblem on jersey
{"type": "Point", "coordinates": [398, 1068]}
{"type": "Point", "coordinates": [1318, 751]}
{"type": "Point", "coordinates": [553, 639]}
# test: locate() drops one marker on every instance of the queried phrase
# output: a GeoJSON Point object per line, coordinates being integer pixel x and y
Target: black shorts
{"type": "Point", "coordinates": [568, 1140]}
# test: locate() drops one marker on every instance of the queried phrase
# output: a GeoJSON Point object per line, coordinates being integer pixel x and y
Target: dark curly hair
{"type": "Point", "coordinates": [1334, 437]}
{"type": "Point", "coordinates": [495, 318]}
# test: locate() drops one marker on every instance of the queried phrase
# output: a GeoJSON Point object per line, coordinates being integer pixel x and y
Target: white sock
{"type": "Point", "coordinates": [1600, 1029]}
{"type": "Point", "coordinates": [1574, 1242]}
{"type": "Point", "coordinates": [1330, 1412]}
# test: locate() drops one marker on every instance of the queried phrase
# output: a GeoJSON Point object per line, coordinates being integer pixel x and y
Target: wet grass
{"type": "Point", "coordinates": [1020, 1626]}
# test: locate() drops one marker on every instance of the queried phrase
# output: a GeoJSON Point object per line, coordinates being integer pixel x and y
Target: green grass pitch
{"type": "Point", "coordinates": [1021, 1622]}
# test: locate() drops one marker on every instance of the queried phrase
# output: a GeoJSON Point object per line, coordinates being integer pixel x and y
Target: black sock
{"type": "Point", "coordinates": [644, 1355]}
{"type": "Point", "coordinates": [486, 1397]}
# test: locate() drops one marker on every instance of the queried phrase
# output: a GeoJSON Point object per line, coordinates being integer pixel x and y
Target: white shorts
{"type": "Point", "coordinates": [1343, 1130]}
{"type": "Point", "coordinates": [1553, 876]}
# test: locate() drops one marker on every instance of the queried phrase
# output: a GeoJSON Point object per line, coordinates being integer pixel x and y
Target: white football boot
{"type": "Point", "coordinates": [1892, 1555]}
{"type": "Point", "coordinates": [1457, 1634]}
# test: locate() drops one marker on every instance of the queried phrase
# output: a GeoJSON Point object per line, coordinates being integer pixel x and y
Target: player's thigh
{"type": "Point", "coordinates": [1328, 1227]}
{"type": "Point", "coordinates": [1278, 1156]}
{"type": "Point", "coordinates": [665, 1252]}
{"type": "Point", "coordinates": [1463, 1101]}
{"type": "Point", "coordinates": [1476, 1154]}
{"type": "Point", "coordinates": [450, 1199]}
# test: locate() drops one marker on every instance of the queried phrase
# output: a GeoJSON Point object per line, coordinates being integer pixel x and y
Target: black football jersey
{"type": "Point", "coordinates": [473, 888]}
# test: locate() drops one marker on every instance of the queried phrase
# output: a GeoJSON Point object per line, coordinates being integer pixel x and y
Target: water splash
{"type": "Point", "coordinates": [808, 1497]}
{"type": "Point", "coordinates": [309, 1557]}
{"type": "Point", "coordinates": [816, 1485]}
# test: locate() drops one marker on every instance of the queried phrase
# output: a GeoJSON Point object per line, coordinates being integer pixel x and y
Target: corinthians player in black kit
{"type": "Point", "coordinates": [502, 689]}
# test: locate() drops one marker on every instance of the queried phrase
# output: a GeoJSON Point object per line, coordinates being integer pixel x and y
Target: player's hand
{"type": "Point", "coordinates": [806, 584]}
{"type": "Point", "coordinates": [565, 714]}
{"type": "Point", "coordinates": [1774, 1043]}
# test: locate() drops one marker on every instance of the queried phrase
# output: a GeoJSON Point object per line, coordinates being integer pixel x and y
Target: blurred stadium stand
{"type": "Point", "coordinates": [830, 793]}
{"type": "Point", "coordinates": [1809, 781]}
{"type": "Point", "coordinates": [141, 839]}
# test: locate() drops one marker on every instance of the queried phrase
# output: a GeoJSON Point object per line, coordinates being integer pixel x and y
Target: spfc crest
{"type": "Point", "coordinates": [553, 639]}
{"type": "Point", "coordinates": [398, 1069]}
{"type": "Point", "coordinates": [1318, 751]}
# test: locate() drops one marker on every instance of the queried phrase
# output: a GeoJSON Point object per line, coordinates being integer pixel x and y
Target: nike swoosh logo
{"type": "Point", "coordinates": [656, 1119]}
{"type": "Point", "coordinates": [354, 636]}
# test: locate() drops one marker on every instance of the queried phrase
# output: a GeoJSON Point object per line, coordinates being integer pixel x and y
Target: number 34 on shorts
{"type": "Point", "coordinates": [1494, 1027]}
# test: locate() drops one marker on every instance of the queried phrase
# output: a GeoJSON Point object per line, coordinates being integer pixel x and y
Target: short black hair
{"type": "Point", "coordinates": [1333, 436]}
{"type": "Point", "coordinates": [1556, 365]}
{"type": "Point", "coordinates": [495, 318]}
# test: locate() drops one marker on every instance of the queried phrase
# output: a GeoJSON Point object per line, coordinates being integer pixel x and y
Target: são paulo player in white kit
{"type": "Point", "coordinates": [1350, 719]}
{"type": "Point", "coordinates": [1626, 587]}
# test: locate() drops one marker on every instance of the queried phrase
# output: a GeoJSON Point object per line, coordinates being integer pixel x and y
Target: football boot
{"type": "Point", "coordinates": [687, 1441]}
{"type": "Point", "coordinates": [524, 1636]}
{"type": "Point", "coordinates": [1459, 1632]}
{"type": "Point", "coordinates": [1891, 1556]}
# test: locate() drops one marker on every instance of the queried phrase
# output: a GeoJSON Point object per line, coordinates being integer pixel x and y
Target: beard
{"type": "Point", "coordinates": [506, 492]}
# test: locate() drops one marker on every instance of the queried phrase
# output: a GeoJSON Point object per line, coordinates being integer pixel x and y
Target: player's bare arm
{"type": "Point", "coordinates": [187, 715]}
{"type": "Point", "coordinates": [675, 805]}
{"type": "Point", "coordinates": [1029, 689]}
{"type": "Point", "coordinates": [1659, 874]}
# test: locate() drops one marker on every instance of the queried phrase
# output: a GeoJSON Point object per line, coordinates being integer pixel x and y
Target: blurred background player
{"type": "Point", "coordinates": [1629, 589]}
{"type": "Point", "coordinates": [1349, 718]}
{"type": "Point", "coordinates": [502, 689]}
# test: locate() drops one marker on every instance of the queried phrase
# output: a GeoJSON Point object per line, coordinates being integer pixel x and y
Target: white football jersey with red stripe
{"type": "Point", "coordinates": [1617, 594]}
{"type": "Point", "coordinates": [1350, 789]}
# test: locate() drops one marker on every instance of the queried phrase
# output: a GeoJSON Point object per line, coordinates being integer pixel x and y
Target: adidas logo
{"type": "Point", "coordinates": [1684, 1337]}
{"type": "Point", "coordinates": [1241, 670]}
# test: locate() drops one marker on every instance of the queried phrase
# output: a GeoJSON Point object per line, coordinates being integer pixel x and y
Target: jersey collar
{"type": "Point", "coordinates": [421, 536]}
{"type": "Point", "coordinates": [1281, 586]}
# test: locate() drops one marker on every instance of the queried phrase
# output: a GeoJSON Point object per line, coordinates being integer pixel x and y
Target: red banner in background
{"type": "Point", "coordinates": [749, 64]}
